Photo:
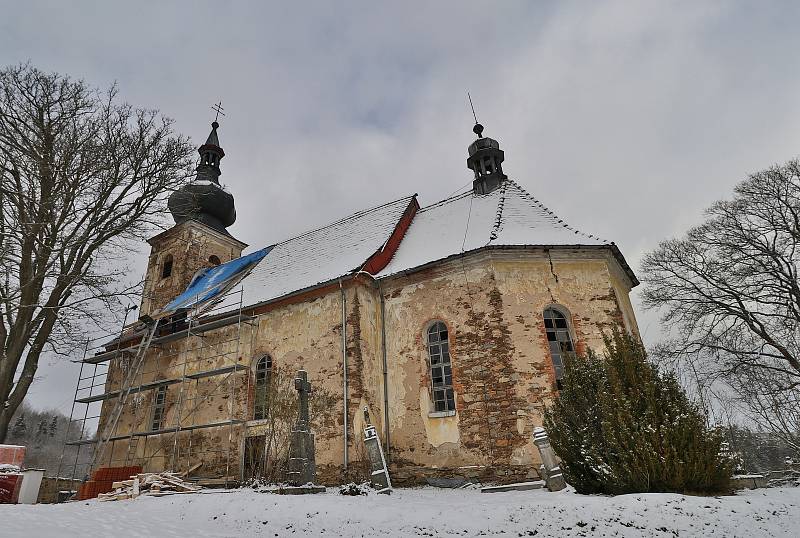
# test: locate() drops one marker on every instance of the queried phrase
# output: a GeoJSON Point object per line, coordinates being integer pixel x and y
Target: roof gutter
{"type": "Point", "coordinates": [344, 371]}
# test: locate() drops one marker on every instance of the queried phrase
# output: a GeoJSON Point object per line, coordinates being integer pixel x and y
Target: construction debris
{"type": "Point", "coordinates": [148, 484]}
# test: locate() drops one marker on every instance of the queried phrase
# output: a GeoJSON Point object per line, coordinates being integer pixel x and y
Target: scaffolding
{"type": "Point", "coordinates": [151, 389]}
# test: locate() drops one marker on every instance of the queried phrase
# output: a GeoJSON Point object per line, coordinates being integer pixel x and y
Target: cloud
{"type": "Point", "coordinates": [625, 118]}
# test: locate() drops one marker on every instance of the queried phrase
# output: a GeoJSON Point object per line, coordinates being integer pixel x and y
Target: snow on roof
{"type": "Point", "coordinates": [506, 216]}
{"type": "Point", "coordinates": [324, 254]}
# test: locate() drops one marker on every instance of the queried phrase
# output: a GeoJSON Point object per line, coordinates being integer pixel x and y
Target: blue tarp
{"type": "Point", "coordinates": [210, 282]}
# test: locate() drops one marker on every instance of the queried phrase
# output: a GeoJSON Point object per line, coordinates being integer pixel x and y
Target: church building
{"type": "Point", "coordinates": [448, 321]}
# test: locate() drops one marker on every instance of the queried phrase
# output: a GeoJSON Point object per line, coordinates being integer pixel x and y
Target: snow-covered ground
{"type": "Point", "coordinates": [415, 512]}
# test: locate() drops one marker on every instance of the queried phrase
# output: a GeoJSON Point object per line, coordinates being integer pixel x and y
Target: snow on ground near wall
{"type": "Point", "coordinates": [415, 512]}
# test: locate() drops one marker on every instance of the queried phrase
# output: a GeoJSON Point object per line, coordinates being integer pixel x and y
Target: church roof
{"type": "Point", "coordinates": [324, 254]}
{"type": "Point", "coordinates": [507, 216]}
{"type": "Point", "coordinates": [398, 237]}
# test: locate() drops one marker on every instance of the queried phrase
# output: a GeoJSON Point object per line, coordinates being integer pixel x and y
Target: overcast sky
{"type": "Point", "coordinates": [625, 118]}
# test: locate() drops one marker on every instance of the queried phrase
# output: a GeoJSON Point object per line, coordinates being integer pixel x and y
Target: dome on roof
{"type": "Point", "coordinates": [486, 162]}
{"type": "Point", "coordinates": [203, 199]}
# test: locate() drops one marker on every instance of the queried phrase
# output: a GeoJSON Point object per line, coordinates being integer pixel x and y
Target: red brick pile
{"type": "Point", "coordinates": [103, 478]}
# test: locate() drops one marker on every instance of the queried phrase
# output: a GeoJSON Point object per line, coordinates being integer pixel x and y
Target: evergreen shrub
{"type": "Point", "coordinates": [621, 426]}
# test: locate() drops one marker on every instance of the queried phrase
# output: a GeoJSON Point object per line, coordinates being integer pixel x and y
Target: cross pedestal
{"type": "Point", "coordinates": [379, 475]}
{"type": "Point", "coordinates": [552, 471]}
{"type": "Point", "coordinates": [302, 463]}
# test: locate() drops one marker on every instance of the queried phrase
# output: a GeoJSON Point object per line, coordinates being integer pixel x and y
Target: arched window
{"type": "Point", "coordinates": [263, 376]}
{"type": "Point", "coordinates": [166, 266]}
{"type": "Point", "coordinates": [441, 372]}
{"type": "Point", "coordinates": [213, 260]}
{"type": "Point", "coordinates": [559, 338]}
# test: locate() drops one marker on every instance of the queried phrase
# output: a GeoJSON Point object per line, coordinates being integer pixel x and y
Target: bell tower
{"type": "Point", "coordinates": [202, 210]}
{"type": "Point", "coordinates": [485, 160]}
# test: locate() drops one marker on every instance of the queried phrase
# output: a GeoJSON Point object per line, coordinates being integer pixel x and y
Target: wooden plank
{"type": "Point", "coordinates": [518, 486]}
{"type": "Point", "coordinates": [191, 469]}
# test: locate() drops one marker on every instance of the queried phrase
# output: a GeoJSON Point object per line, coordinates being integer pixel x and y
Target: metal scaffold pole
{"type": "Point", "coordinates": [165, 354]}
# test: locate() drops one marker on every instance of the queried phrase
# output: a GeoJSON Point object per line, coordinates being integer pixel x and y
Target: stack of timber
{"type": "Point", "coordinates": [149, 484]}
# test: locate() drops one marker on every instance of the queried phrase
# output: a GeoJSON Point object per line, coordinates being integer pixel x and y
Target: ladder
{"type": "Point", "coordinates": [125, 390]}
{"type": "Point", "coordinates": [133, 447]}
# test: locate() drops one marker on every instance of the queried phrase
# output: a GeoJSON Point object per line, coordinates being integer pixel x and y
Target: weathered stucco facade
{"type": "Point", "coordinates": [492, 303]}
{"type": "Point", "coordinates": [352, 304]}
{"type": "Point", "coordinates": [185, 248]}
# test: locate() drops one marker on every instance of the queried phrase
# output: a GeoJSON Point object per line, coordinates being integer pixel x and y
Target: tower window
{"type": "Point", "coordinates": [559, 338]}
{"type": "Point", "coordinates": [214, 260]}
{"type": "Point", "coordinates": [487, 165]}
{"type": "Point", "coordinates": [440, 368]}
{"type": "Point", "coordinates": [263, 378]}
{"type": "Point", "coordinates": [166, 266]}
{"type": "Point", "coordinates": [159, 406]}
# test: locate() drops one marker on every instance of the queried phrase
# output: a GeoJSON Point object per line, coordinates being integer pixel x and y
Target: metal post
{"type": "Point", "coordinates": [78, 448]}
{"type": "Point", "coordinates": [178, 417]}
{"type": "Point", "coordinates": [231, 389]}
{"type": "Point", "coordinates": [344, 369]}
{"type": "Point", "coordinates": [69, 423]}
{"type": "Point", "coordinates": [385, 374]}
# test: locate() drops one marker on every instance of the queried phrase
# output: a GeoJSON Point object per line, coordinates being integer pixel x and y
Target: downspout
{"type": "Point", "coordinates": [344, 367]}
{"type": "Point", "coordinates": [385, 373]}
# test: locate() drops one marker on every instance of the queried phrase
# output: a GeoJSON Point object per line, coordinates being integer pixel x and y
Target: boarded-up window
{"type": "Point", "coordinates": [440, 368]}
{"type": "Point", "coordinates": [261, 399]}
{"type": "Point", "coordinates": [559, 338]}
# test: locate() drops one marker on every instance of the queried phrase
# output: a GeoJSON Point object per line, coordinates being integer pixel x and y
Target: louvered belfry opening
{"type": "Point", "coordinates": [486, 162]}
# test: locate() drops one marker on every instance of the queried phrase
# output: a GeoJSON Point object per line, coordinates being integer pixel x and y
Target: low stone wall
{"type": "Point", "coordinates": [749, 481]}
{"type": "Point", "coordinates": [406, 474]}
{"type": "Point", "coordinates": [413, 475]}
{"type": "Point", "coordinates": [785, 477]}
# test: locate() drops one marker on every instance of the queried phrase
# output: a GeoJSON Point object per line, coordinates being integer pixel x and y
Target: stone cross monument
{"type": "Point", "coordinates": [302, 464]}
{"type": "Point", "coordinates": [551, 471]}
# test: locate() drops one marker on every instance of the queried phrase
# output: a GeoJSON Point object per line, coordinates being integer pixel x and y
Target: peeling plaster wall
{"type": "Point", "coordinates": [191, 245]}
{"type": "Point", "coordinates": [307, 335]}
{"type": "Point", "coordinates": [492, 303]}
{"type": "Point", "coordinates": [199, 401]}
{"type": "Point", "coordinates": [303, 335]}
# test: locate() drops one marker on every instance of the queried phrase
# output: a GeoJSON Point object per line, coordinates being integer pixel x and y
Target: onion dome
{"type": "Point", "coordinates": [203, 199]}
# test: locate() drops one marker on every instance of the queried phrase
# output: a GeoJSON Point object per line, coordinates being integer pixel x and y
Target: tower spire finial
{"type": "Point", "coordinates": [203, 199]}
{"type": "Point", "coordinates": [485, 159]}
{"type": "Point", "coordinates": [478, 128]}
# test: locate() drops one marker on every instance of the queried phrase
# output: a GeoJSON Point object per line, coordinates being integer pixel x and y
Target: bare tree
{"type": "Point", "coordinates": [730, 295]}
{"type": "Point", "coordinates": [81, 175]}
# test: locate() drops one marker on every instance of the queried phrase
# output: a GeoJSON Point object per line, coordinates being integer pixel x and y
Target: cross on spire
{"type": "Point", "coordinates": [218, 109]}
